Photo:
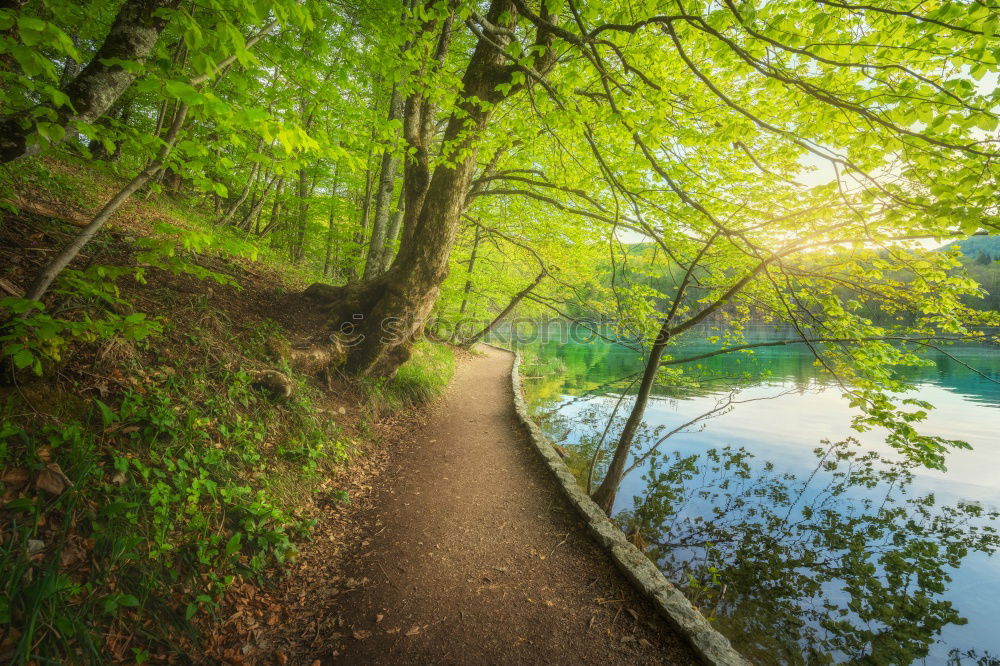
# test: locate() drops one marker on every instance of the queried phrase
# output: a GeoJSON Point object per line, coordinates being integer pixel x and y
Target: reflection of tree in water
{"type": "Point", "coordinates": [844, 565]}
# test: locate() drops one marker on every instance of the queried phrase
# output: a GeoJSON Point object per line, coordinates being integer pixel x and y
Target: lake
{"type": "Point", "coordinates": [801, 550]}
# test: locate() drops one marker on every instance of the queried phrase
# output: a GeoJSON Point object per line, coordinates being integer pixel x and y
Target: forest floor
{"type": "Point", "coordinates": [464, 551]}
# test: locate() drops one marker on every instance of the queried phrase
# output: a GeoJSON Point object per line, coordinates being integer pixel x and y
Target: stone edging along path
{"type": "Point", "coordinates": [710, 645]}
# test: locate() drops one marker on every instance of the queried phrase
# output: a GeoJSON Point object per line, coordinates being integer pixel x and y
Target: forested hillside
{"type": "Point", "coordinates": [198, 196]}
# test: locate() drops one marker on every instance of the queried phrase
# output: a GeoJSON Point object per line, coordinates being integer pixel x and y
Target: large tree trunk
{"type": "Point", "coordinates": [385, 315]}
{"type": "Point", "coordinates": [91, 93]}
{"type": "Point", "coordinates": [383, 195]}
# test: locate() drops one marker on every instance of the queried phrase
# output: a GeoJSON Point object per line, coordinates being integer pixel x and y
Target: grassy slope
{"type": "Point", "coordinates": [185, 477]}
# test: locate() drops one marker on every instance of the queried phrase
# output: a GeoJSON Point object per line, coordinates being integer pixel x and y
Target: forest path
{"type": "Point", "coordinates": [475, 557]}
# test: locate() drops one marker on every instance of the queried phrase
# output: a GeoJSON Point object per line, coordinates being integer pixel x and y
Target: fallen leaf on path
{"type": "Point", "coordinates": [394, 630]}
{"type": "Point", "coordinates": [413, 631]}
{"type": "Point", "coordinates": [379, 617]}
{"type": "Point", "coordinates": [361, 634]}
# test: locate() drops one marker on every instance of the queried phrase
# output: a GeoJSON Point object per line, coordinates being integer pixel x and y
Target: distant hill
{"type": "Point", "coordinates": [974, 246]}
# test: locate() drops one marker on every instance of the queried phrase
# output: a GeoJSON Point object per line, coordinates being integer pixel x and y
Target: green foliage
{"type": "Point", "coordinates": [725, 164]}
{"type": "Point", "coordinates": [419, 380]}
{"type": "Point", "coordinates": [178, 250]}
{"type": "Point", "coordinates": [31, 337]}
{"type": "Point", "coordinates": [978, 246]}
{"type": "Point", "coordinates": [764, 557]}
{"type": "Point", "coordinates": [167, 501]}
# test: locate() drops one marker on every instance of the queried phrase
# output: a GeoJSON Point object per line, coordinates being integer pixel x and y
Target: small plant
{"type": "Point", "coordinates": [163, 496]}
{"type": "Point", "coordinates": [32, 336]}
{"type": "Point", "coordinates": [417, 381]}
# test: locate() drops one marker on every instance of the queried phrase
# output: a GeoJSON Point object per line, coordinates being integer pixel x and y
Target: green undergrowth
{"type": "Point", "coordinates": [184, 478]}
{"type": "Point", "coordinates": [71, 182]}
{"type": "Point", "coordinates": [142, 471]}
{"type": "Point", "coordinates": [419, 380]}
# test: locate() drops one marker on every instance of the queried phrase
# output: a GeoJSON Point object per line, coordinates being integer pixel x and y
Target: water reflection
{"type": "Point", "coordinates": [775, 606]}
{"type": "Point", "coordinates": [843, 564]}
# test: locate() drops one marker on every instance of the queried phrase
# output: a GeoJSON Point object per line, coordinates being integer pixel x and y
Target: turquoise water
{"type": "Point", "coordinates": [785, 410]}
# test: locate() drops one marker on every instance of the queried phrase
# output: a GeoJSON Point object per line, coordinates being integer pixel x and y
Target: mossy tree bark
{"type": "Point", "coordinates": [93, 91]}
{"type": "Point", "coordinates": [383, 316]}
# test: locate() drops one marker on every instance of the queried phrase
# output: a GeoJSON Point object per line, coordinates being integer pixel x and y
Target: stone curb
{"type": "Point", "coordinates": [709, 644]}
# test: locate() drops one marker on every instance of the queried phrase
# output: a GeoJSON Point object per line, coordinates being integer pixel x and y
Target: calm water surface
{"type": "Point", "coordinates": [793, 410]}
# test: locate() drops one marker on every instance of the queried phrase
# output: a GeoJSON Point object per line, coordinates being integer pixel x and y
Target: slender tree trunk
{"type": "Point", "coordinates": [275, 210]}
{"type": "Point", "coordinates": [251, 182]}
{"type": "Point", "coordinates": [383, 194]}
{"type": "Point", "coordinates": [168, 172]}
{"type": "Point", "coordinates": [392, 235]}
{"type": "Point", "coordinates": [518, 297]}
{"type": "Point", "coordinates": [608, 490]}
{"type": "Point", "coordinates": [468, 274]}
{"type": "Point", "coordinates": [166, 108]}
{"type": "Point", "coordinates": [299, 249]}
{"type": "Point", "coordinates": [331, 220]}
{"type": "Point", "coordinates": [250, 220]}
{"type": "Point", "coordinates": [91, 93]}
{"type": "Point", "coordinates": [48, 274]}
{"type": "Point", "coordinates": [365, 204]}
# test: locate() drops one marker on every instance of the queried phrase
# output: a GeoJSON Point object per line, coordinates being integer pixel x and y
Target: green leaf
{"type": "Point", "coordinates": [127, 65]}
{"type": "Point", "coordinates": [233, 544]}
{"type": "Point", "coordinates": [107, 415]}
{"type": "Point", "coordinates": [54, 133]}
{"type": "Point", "coordinates": [23, 359]}
{"type": "Point", "coordinates": [128, 601]}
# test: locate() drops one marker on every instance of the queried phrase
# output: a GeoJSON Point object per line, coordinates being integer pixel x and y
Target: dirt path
{"type": "Point", "coordinates": [474, 557]}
